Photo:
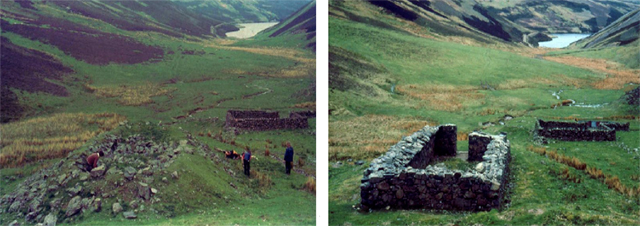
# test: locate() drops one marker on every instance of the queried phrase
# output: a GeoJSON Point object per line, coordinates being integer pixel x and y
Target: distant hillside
{"type": "Point", "coordinates": [174, 18]}
{"type": "Point", "coordinates": [617, 42]}
{"type": "Point", "coordinates": [302, 22]}
{"type": "Point", "coordinates": [623, 31]}
{"type": "Point", "coordinates": [518, 21]}
{"type": "Point", "coordinates": [567, 16]}
{"type": "Point", "coordinates": [104, 32]}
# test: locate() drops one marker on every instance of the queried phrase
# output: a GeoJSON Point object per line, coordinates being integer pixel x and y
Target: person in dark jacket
{"type": "Point", "coordinates": [288, 158]}
{"type": "Point", "coordinates": [246, 161]}
{"type": "Point", "coordinates": [92, 160]}
{"type": "Point", "coordinates": [114, 146]}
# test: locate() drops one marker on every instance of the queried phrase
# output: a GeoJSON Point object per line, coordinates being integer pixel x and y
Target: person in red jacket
{"type": "Point", "coordinates": [92, 160]}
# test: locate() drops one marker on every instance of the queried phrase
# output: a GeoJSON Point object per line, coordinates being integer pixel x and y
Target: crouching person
{"type": "Point", "coordinates": [92, 160]}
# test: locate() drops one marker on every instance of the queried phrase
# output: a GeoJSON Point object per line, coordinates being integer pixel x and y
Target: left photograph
{"type": "Point", "coordinates": [165, 112]}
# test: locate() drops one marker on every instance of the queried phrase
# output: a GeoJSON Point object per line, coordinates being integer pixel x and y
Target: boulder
{"type": "Point", "coordinates": [144, 191]}
{"type": "Point", "coordinates": [62, 179]}
{"type": "Point", "coordinates": [495, 186]}
{"type": "Point", "coordinates": [74, 206]}
{"type": "Point", "coordinates": [75, 190]}
{"type": "Point", "coordinates": [129, 215]}
{"type": "Point", "coordinates": [15, 206]}
{"type": "Point", "coordinates": [116, 207]}
{"type": "Point", "coordinates": [34, 205]}
{"type": "Point", "coordinates": [96, 206]}
{"type": "Point", "coordinates": [129, 173]}
{"type": "Point", "coordinates": [154, 191]}
{"type": "Point", "coordinates": [98, 171]}
{"type": "Point", "coordinates": [174, 175]}
{"type": "Point", "coordinates": [147, 171]}
{"type": "Point", "coordinates": [55, 203]}
{"type": "Point", "coordinates": [480, 167]}
{"type": "Point", "coordinates": [31, 216]}
{"type": "Point", "coordinates": [50, 220]}
{"type": "Point", "coordinates": [133, 204]}
{"type": "Point", "coordinates": [86, 203]}
{"type": "Point", "coordinates": [14, 223]}
{"type": "Point", "coordinates": [83, 176]}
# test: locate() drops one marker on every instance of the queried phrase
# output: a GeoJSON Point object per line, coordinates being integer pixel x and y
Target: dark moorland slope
{"type": "Point", "coordinates": [518, 21]}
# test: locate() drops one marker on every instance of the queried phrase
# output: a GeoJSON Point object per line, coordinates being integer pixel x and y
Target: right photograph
{"type": "Point", "coordinates": [473, 112]}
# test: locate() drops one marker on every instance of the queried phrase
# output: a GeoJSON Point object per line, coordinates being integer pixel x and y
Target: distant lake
{"type": "Point", "coordinates": [248, 30]}
{"type": "Point", "coordinates": [562, 40]}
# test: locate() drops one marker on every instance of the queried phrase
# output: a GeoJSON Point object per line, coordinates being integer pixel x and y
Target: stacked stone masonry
{"type": "Point", "coordinates": [402, 178]}
{"type": "Point", "coordinates": [580, 131]}
{"type": "Point", "coordinates": [302, 114]}
{"type": "Point", "coordinates": [262, 120]}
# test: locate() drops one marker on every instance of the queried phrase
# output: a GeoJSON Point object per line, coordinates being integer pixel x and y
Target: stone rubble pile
{"type": "Point", "coordinates": [402, 177]}
{"type": "Point", "coordinates": [65, 186]}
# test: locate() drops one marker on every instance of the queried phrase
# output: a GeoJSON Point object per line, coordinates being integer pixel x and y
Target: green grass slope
{"type": "Point", "coordinates": [386, 83]}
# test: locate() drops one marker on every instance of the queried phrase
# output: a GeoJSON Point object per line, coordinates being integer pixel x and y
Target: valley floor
{"type": "Point", "coordinates": [399, 90]}
{"type": "Point", "coordinates": [183, 96]}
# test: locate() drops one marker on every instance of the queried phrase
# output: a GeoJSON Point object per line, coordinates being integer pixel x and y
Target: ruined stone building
{"type": "Point", "coordinates": [405, 178]}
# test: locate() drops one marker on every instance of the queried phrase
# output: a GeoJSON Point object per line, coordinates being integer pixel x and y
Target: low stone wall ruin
{"type": "Point", "coordinates": [579, 131]}
{"type": "Point", "coordinates": [302, 114]}
{"type": "Point", "coordinates": [402, 177]}
{"type": "Point", "coordinates": [262, 121]}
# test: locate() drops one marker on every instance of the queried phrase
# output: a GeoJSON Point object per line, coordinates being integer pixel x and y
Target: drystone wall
{"type": "Point", "coordinates": [617, 126]}
{"type": "Point", "coordinates": [402, 177]}
{"type": "Point", "coordinates": [262, 124]}
{"type": "Point", "coordinates": [578, 131]}
{"type": "Point", "coordinates": [302, 114]}
{"type": "Point", "coordinates": [262, 120]}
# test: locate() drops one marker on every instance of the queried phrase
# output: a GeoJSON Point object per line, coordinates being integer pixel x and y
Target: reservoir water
{"type": "Point", "coordinates": [562, 40]}
{"type": "Point", "coordinates": [248, 30]}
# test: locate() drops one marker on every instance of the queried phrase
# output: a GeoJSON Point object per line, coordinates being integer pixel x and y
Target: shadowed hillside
{"type": "Point", "coordinates": [624, 31]}
{"type": "Point", "coordinates": [571, 16]}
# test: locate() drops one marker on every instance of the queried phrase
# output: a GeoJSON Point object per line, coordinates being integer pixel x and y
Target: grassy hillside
{"type": "Point", "coordinates": [80, 74]}
{"type": "Point", "coordinates": [573, 16]}
{"type": "Point", "coordinates": [386, 83]}
{"type": "Point", "coordinates": [617, 42]}
{"type": "Point", "coordinates": [298, 30]}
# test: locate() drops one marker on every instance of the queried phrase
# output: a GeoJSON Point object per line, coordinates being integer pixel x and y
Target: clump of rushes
{"type": "Point", "coordinates": [310, 185]}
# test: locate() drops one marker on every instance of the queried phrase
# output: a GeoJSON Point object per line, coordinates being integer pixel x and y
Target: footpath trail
{"type": "Point", "coordinates": [217, 103]}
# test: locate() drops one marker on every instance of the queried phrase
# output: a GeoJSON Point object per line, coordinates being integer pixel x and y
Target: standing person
{"type": "Point", "coordinates": [92, 160]}
{"type": "Point", "coordinates": [246, 161]}
{"type": "Point", "coordinates": [288, 158]}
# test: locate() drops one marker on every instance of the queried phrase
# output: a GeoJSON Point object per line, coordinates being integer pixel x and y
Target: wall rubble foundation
{"type": "Point", "coordinates": [579, 131]}
{"type": "Point", "coordinates": [262, 120]}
